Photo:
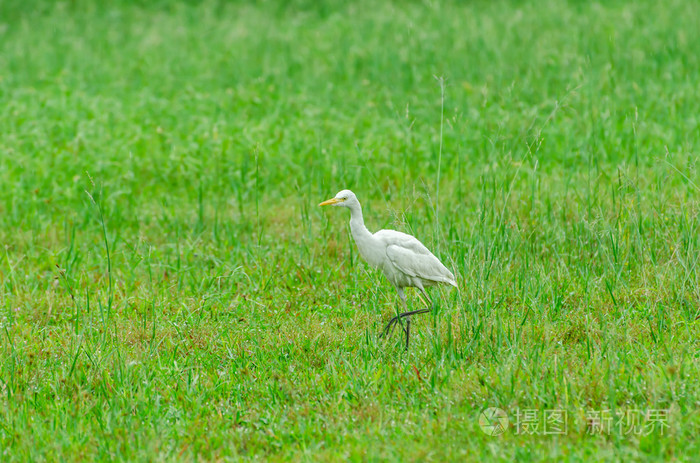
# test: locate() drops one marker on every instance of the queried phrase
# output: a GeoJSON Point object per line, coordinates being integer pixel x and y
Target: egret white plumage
{"type": "Point", "coordinates": [403, 259]}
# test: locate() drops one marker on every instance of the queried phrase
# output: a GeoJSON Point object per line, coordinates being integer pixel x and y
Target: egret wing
{"type": "Point", "coordinates": [412, 258]}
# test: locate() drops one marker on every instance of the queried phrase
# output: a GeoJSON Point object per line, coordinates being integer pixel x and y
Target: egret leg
{"type": "Point", "coordinates": [426, 300]}
{"type": "Point", "coordinates": [408, 330]}
{"type": "Point", "coordinates": [389, 329]}
{"type": "Point", "coordinates": [398, 318]}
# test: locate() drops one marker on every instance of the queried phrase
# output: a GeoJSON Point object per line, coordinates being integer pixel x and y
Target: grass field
{"type": "Point", "coordinates": [169, 289]}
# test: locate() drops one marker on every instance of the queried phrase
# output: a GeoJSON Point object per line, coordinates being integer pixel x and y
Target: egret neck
{"type": "Point", "coordinates": [363, 238]}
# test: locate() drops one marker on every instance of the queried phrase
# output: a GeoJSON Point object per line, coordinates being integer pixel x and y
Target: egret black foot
{"type": "Point", "coordinates": [389, 329]}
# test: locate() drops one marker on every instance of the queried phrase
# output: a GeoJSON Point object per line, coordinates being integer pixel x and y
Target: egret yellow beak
{"type": "Point", "coordinates": [331, 201]}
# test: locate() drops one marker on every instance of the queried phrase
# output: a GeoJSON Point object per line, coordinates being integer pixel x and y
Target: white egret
{"type": "Point", "coordinates": [404, 260]}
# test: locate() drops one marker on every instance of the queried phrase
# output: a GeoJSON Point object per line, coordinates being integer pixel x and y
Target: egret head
{"type": "Point", "coordinates": [345, 198]}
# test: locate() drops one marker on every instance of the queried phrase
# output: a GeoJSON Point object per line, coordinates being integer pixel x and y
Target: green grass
{"type": "Point", "coordinates": [169, 289]}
